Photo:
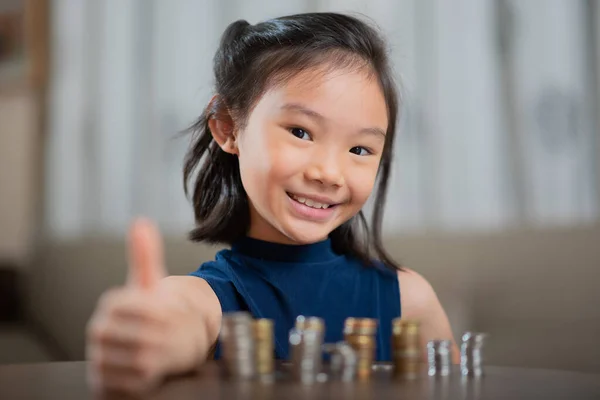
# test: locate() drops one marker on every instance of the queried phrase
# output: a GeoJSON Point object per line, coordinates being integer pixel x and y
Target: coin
{"type": "Point", "coordinates": [237, 341]}
{"type": "Point", "coordinates": [359, 333]}
{"type": "Point", "coordinates": [438, 357]}
{"type": "Point", "coordinates": [263, 338]}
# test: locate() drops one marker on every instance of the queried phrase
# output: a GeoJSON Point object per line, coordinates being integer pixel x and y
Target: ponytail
{"type": "Point", "coordinates": [219, 199]}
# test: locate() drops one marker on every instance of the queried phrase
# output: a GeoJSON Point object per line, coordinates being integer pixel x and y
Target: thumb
{"type": "Point", "coordinates": [146, 259]}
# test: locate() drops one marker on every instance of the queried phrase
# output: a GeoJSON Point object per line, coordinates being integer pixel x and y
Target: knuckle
{"type": "Point", "coordinates": [94, 324]}
{"type": "Point", "coordinates": [99, 362]}
{"type": "Point", "coordinates": [107, 298]}
{"type": "Point", "coordinates": [145, 364]}
{"type": "Point", "coordinates": [152, 343]}
{"type": "Point", "coordinates": [94, 377]}
{"type": "Point", "coordinates": [100, 331]}
{"type": "Point", "coordinates": [98, 366]}
{"type": "Point", "coordinates": [141, 360]}
{"type": "Point", "coordinates": [120, 385]}
{"type": "Point", "coordinates": [96, 331]}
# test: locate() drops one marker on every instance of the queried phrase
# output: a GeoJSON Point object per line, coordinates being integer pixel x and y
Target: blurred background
{"type": "Point", "coordinates": [495, 195]}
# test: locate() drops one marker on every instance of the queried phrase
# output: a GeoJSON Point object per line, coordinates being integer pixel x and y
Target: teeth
{"type": "Point", "coordinates": [309, 202]}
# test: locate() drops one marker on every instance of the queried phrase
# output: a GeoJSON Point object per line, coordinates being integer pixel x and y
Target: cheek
{"type": "Point", "coordinates": [361, 183]}
{"type": "Point", "coordinates": [264, 163]}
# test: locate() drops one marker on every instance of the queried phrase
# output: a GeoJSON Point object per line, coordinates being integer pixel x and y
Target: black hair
{"type": "Point", "coordinates": [250, 60]}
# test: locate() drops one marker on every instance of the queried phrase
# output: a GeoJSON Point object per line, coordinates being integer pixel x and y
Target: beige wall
{"type": "Point", "coordinates": [535, 293]}
{"type": "Point", "coordinates": [18, 122]}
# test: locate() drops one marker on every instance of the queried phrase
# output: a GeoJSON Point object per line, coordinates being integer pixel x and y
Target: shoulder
{"type": "Point", "coordinates": [417, 295]}
{"type": "Point", "coordinates": [217, 276]}
{"type": "Point", "coordinates": [218, 268]}
{"type": "Point", "coordinates": [206, 278]}
{"type": "Point", "coordinates": [374, 266]}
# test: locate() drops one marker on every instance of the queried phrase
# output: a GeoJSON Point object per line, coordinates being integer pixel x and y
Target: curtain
{"type": "Point", "coordinates": [498, 124]}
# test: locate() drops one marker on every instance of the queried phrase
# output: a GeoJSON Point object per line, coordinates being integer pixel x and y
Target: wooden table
{"type": "Point", "coordinates": [67, 381]}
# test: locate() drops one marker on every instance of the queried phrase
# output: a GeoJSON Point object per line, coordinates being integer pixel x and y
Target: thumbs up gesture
{"type": "Point", "coordinates": [141, 332]}
{"type": "Point", "coordinates": [146, 265]}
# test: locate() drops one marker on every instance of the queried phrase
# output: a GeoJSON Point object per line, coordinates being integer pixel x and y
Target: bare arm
{"type": "Point", "coordinates": [419, 302]}
{"type": "Point", "coordinates": [154, 325]}
{"type": "Point", "coordinates": [202, 304]}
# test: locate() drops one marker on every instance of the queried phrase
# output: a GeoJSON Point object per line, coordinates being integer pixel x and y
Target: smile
{"type": "Point", "coordinates": [313, 208]}
{"type": "Point", "coordinates": [310, 202]}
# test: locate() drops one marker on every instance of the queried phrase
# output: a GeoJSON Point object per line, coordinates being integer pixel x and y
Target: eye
{"type": "Point", "coordinates": [300, 133]}
{"type": "Point", "coordinates": [360, 151]}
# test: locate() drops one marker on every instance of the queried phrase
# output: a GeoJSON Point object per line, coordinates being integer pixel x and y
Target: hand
{"type": "Point", "coordinates": [141, 332]}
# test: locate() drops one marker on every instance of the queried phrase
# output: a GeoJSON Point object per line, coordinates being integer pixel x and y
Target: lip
{"type": "Point", "coordinates": [312, 214]}
{"type": "Point", "coordinates": [317, 198]}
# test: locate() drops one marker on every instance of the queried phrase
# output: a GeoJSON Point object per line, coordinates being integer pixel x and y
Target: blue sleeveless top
{"type": "Point", "coordinates": [280, 282]}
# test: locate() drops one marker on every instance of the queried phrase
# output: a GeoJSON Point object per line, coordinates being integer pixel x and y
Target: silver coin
{"type": "Point", "coordinates": [438, 357]}
{"type": "Point", "coordinates": [238, 346]}
{"type": "Point", "coordinates": [471, 360]}
{"type": "Point", "coordinates": [306, 354]}
{"type": "Point", "coordinates": [344, 360]}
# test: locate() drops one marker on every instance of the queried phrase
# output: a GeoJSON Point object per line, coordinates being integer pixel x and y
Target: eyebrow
{"type": "Point", "coordinates": [299, 108]}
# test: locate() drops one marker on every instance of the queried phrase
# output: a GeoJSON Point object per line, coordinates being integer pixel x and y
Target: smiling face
{"type": "Point", "coordinates": [309, 154]}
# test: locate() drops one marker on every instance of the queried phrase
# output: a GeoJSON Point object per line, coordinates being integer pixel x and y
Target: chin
{"type": "Point", "coordinates": [307, 236]}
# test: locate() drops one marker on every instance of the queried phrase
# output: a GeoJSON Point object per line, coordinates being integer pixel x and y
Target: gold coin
{"type": "Point", "coordinates": [263, 335]}
{"type": "Point", "coordinates": [360, 326]}
{"type": "Point", "coordinates": [361, 341]}
{"type": "Point", "coordinates": [263, 326]}
{"type": "Point", "coordinates": [310, 323]}
{"type": "Point", "coordinates": [401, 326]}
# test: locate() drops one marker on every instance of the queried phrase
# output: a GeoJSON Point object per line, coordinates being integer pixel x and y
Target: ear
{"type": "Point", "coordinates": [222, 128]}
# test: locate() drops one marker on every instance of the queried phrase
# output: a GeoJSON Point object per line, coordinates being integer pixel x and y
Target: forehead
{"type": "Point", "coordinates": [351, 97]}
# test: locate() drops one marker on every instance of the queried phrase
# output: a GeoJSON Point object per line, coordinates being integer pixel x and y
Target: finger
{"type": "Point", "coordinates": [104, 359]}
{"type": "Point", "coordinates": [146, 265]}
{"type": "Point", "coordinates": [129, 324]}
{"type": "Point", "coordinates": [123, 359]}
{"type": "Point", "coordinates": [129, 335]}
{"type": "Point", "coordinates": [133, 305]}
{"type": "Point", "coordinates": [121, 372]}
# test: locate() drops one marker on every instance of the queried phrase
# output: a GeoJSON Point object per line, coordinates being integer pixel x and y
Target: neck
{"type": "Point", "coordinates": [278, 252]}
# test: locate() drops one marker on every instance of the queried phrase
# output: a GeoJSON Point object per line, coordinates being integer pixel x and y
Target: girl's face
{"type": "Point", "coordinates": [309, 154]}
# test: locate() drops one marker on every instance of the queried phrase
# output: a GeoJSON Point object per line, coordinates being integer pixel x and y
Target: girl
{"type": "Point", "coordinates": [299, 131]}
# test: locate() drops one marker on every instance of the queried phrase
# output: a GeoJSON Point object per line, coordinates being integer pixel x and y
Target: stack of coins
{"type": "Point", "coordinates": [306, 340]}
{"type": "Point", "coordinates": [438, 357]}
{"type": "Point", "coordinates": [263, 342]}
{"type": "Point", "coordinates": [405, 348]}
{"type": "Point", "coordinates": [471, 361]}
{"type": "Point", "coordinates": [237, 341]}
{"type": "Point", "coordinates": [359, 333]}
{"type": "Point", "coordinates": [343, 360]}
{"type": "Point", "coordinates": [314, 323]}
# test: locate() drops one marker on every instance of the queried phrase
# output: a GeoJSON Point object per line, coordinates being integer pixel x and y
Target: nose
{"type": "Point", "coordinates": [326, 170]}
